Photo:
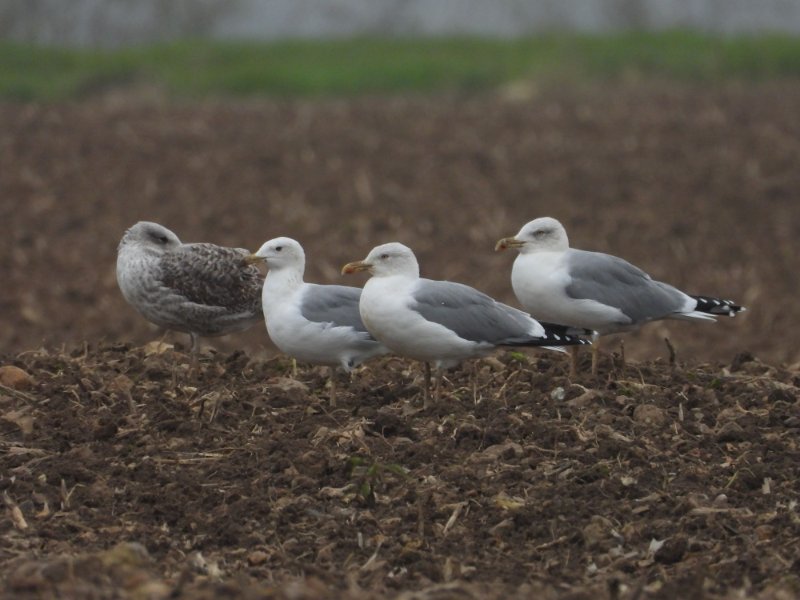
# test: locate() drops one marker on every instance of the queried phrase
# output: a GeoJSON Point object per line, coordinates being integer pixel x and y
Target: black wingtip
{"type": "Point", "coordinates": [555, 328]}
{"type": "Point", "coordinates": [554, 336]}
{"type": "Point", "coordinates": [562, 335]}
{"type": "Point", "coordinates": [556, 339]}
{"type": "Point", "coordinates": [717, 306]}
{"type": "Point", "coordinates": [549, 340]}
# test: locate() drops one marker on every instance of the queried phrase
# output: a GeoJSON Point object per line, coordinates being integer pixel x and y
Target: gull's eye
{"type": "Point", "coordinates": [540, 233]}
{"type": "Point", "coordinates": [161, 239]}
{"type": "Point", "coordinates": [384, 256]}
{"type": "Point", "coordinates": [278, 248]}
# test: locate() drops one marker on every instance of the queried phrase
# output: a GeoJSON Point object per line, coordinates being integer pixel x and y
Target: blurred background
{"type": "Point", "coordinates": [665, 132]}
{"type": "Point", "coordinates": [114, 23]}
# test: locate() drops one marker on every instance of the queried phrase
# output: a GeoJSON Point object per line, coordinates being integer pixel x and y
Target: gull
{"type": "Point", "coordinates": [200, 289]}
{"type": "Point", "coordinates": [318, 324]}
{"type": "Point", "coordinates": [440, 321]}
{"type": "Point", "coordinates": [594, 290]}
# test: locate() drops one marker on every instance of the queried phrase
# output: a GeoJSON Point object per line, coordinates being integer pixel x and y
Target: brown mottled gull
{"type": "Point", "coordinates": [200, 289]}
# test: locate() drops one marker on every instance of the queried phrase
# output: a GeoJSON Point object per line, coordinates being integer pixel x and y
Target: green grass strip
{"type": "Point", "coordinates": [365, 65]}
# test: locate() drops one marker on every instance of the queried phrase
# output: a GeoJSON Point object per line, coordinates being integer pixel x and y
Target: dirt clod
{"type": "Point", "coordinates": [731, 432]}
{"type": "Point", "coordinates": [672, 550]}
{"type": "Point", "coordinates": [649, 414]}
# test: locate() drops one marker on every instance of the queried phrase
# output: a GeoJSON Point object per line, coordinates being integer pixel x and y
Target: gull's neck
{"type": "Point", "coordinates": [558, 247]}
{"type": "Point", "coordinates": [392, 285]}
{"type": "Point", "coordinates": [407, 272]}
{"type": "Point", "coordinates": [284, 279]}
{"type": "Point", "coordinates": [141, 251]}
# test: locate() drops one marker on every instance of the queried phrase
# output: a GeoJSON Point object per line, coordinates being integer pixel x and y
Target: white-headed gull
{"type": "Point", "coordinates": [318, 324]}
{"type": "Point", "coordinates": [440, 321]}
{"type": "Point", "coordinates": [594, 290]}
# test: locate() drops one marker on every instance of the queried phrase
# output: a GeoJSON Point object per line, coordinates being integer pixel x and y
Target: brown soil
{"type": "Point", "coordinates": [127, 472]}
{"type": "Point", "coordinates": [234, 478]}
{"type": "Point", "coordinates": [697, 186]}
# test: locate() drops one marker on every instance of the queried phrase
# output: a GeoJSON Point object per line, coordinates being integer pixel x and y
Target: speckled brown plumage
{"type": "Point", "coordinates": [201, 289]}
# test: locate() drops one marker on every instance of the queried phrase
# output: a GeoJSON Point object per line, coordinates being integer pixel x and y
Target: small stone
{"type": "Point", "coordinates": [286, 384]}
{"type": "Point", "coordinates": [157, 347]}
{"type": "Point", "coordinates": [728, 414]}
{"type": "Point", "coordinates": [15, 378]}
{"type": "Point", "coordinates": [494, 364]}
{"type": "Point", "coordinates": [257, 557]}
{"type": "Point", "coordinates": [125, 554]}
{"type": "Point", "coordinates": [649, 414]}
{"type": "Point", "coordinates": [584, 400]}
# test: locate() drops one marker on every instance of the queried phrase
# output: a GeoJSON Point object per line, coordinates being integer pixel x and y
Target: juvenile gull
{"type": "Point", "coordinates": [319, 324]}
{"type": "Point", "coordinates": [439, 321]}
{"type": "Point", "coordinates": [589, 289]}
{"type": "Point", "coordinates": [200, 289]}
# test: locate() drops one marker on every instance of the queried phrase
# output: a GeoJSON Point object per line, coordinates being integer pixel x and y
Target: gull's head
{"type": "Point", "coordinates": [279, 253]}
{"type": "Point", "coordinates": [387, 260]}
{"type": "Point", "coordinates": [542, 234]}
{"type": "Point", "coordinates": [150, 237]}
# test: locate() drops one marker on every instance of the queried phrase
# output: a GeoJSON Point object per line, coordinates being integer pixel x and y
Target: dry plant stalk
{"type": "Point", "coordinates": [16, 514]}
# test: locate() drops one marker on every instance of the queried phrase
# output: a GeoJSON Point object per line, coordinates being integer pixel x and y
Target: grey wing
{"type": "Point", "coordinates": [337, 304]}
{"type": "Point", "coordinates": [615, 282]}
{"type": "Point", "coordinates": [471, 314]}
{"type": "Point", "coordinates": [213, 276]}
